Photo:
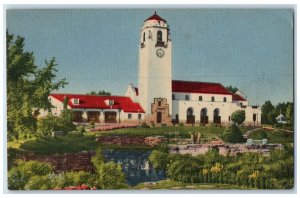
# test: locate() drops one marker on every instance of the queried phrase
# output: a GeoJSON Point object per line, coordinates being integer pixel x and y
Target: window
{"type": "Point", "coordinates": [159, 36]}
{"type": "Point", "coordinates": [229, 118]}
{"type": "Point", "coordinates": [213, 99]}
{"type": "Point", "coordinates": [139, 116]}
{"type": "Point", "coordinates": [224, 99]}
{"type": "Point", "coordinates": [129, 116]}
{"type": "Point", "coordinates": [76, 100]}
{"type": "Point", "coordinates": [110, 102]}
{"type": "Point", "coordinates": [159, 103]}
{"type": "Point", "coordinates": [173, 97]}
{"type": "Point", "coordinates": [144, 37]}
{"type": "Point", "coordinates": [200, 98]}
{"type": "Point", "coordinates": [254, 117]}
{"type": "Point", "coordinates": [187, 97]}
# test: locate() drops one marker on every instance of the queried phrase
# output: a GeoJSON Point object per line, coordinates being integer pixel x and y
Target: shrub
{"type": "Point", "coordinates": [53, 123]}
{"type": "Point", "coordinates": [164, 125]}
{"type": "Point", "coordinates": [145, 125]}
{"type": "Point", "coordinates": [238, 117]}
{"type": "Point", "coordinates": [19, 175]}
{"type": "Point", "coordinates": [232, 134]}
{"type": "Point", "coordinates": [181, 124]}
{"type": "Point", "coordinates": [159, 159]}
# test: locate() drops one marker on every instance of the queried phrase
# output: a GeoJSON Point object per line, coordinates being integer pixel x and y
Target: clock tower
{"type": "Point", "coordinates": [155, 70]}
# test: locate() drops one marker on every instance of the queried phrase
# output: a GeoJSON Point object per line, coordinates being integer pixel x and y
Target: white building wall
{"type": "Point", "coordinates": [205, 97]}
{"type": "Point", "coordinates": [180, 107]}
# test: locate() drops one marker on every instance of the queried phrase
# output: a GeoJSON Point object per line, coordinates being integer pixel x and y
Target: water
{"type": "Point", "coordinates": [135, 165]}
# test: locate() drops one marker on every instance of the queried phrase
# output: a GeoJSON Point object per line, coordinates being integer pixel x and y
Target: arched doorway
{"type": "Point", "coordinates": [158, 117]}
{"type": "Point", "coordinates": [217, 117]}
{"type": "Point", "coordinates": [203, 116]}
{"type": "Point", "coordinates": [190, 118]}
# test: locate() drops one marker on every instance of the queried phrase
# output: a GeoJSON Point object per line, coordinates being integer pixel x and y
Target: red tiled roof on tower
{"type": "Point", "coordinates": [155, 17]}
{"type": "Point", "coordinates": [98, 102]}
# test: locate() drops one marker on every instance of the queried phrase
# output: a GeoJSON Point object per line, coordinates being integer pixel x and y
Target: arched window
{"type": "Point", "coordinates": [144, 37]}
{"type": "Point", "coordinates": [173, 97]}
{"type": "Point", "coordinates": [200, 98]}
{"type": "Point", "coordinates": [187, 97]}
{"type": "Point", "coordinates": [159, 36]}
{"type": "Point", "coordinates": [213, 99]}
{"type": "Point", "coordinates": [224, 99]}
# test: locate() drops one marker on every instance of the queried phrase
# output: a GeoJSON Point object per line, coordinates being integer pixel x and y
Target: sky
{"type": "Point", "coordinates": [97, 49]}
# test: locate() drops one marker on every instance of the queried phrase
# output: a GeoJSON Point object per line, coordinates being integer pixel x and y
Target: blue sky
{"type": "Point", "coordinates": [97, 49]}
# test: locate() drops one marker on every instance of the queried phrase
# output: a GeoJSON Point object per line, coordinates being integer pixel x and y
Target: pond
{"type": "Point", "coordinates": [135, 165]}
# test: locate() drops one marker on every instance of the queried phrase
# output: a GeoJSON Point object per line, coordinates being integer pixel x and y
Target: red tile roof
{"type": "Point", "coordinates": [238, 97]}
{"type": "Point", "coordinates": [155, 17]}
{"type": "Point", "coordinates": [199, 87]}
{"type": "Point", "coordinates": [98, 102]}
{"type": "Point", "coordinates": [203, 87]}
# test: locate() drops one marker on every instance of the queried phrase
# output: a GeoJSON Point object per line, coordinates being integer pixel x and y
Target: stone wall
{"type": "Point", "coordinates": [65, 162]}
{"type": "Point", "coordinates": [224, 149]}
{"type": "Point", "coordinates": [149, 141]}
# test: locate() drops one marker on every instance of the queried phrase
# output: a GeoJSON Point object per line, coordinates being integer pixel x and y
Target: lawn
{"type": "Point", "coordinates": [169, 132]}
{"type": "Point", "coordinates": [273, 136]}
{"type": "Point", "coordinates": [173, 185]}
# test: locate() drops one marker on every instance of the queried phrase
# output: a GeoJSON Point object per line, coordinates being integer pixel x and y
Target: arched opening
{"type": "Point", "coordinates": [213, 99]}
{"type": "Point", "coordinates": [158, 117]}
{"type": "Point", "coordinates": [217, 117]}
{"type": "Point", "coordinates": [159, 36]}
{"type": "Point", "coordinates": [187, 97]}
{"type": "Point", "coordinates": [190, 118]}
{"type": "Point", "coordinates": [144, 37]}
{"type": "Point", "coordinates": [224, 99]}
{"type": "Point", "coordinates": [203, 116]}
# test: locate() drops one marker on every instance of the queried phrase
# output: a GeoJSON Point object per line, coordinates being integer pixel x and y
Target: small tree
{"type": "Point", "coordinates": [19, 175]}
{"type": "Point", "coordinates": [232, 134]}
{"type": "Point", "coordinates": [238, 117]}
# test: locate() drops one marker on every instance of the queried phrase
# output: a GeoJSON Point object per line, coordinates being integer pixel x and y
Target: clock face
{"type": "Point", "coordinates": [160, 52]}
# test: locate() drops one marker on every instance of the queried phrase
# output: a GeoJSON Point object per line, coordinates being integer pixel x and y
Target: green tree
{"type": "Point", "coordinates": [19, 175]}
{"type": "Point", "coordinates": [159, 159]}
{"type": "Point", "coordinates": [290, 112]}
{"type": "Point", "coordinates": [232, 89]}
{"type": "Point", "coordinates": [109, 175]}
{"type": "Point", "coordinates": [28, 87]}
{"type": "Point", "coordinates": [267, 113]}
{"type": "Point", "coordinates": [232, 134]}
{"type": "Point", "coordinates": [238, 117]}
{"type": "Point", "coordinates": [100, 93]}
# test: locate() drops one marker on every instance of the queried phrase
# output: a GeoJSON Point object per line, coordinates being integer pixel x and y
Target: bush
{"type": "Point", "coordinates": [238, 117]}
{"type": "Point", "coordinates": [181, 124]}
{"type": "Point", "coordinates": [159, 159]}
{"type": "Point", "coordinates": [232, 134]}
{"type": "Point", "coordinates": [19, 175]}
{"type": "Point", "coordinates": [145, 125]}
{"type": "Point", "coordinates": [164, 125]}
{"type": "Point", "coordinates": [53, 123]}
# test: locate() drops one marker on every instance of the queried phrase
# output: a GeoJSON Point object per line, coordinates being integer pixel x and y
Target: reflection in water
{"type": "Point", "coordinates": [135, 165]}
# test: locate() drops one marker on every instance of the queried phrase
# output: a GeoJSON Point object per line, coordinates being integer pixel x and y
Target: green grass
{"type": "Point", "coordinates": [182, 132]}
{"type": "Point", "coordinates": [173, 185]}
{"type": "Point", "coordinates": [273, 136]}
{"type": "Point", "coordinates": [60, 145]}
